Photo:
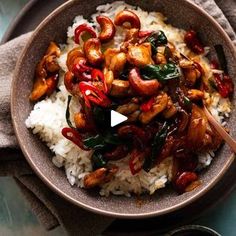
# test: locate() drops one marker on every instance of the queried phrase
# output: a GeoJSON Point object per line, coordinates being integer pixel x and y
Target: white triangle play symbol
{"type": "Point", "coordinates": [117, 118]}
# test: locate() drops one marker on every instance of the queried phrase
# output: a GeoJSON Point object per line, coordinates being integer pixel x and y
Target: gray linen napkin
{"type": "Point", "coordinates": [50, 209]}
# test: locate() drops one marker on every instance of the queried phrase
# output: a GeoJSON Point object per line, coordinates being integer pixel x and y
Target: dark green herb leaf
{"type": "Point", "coordinates": [98, 161]}
{"type": "Point", "coordinates": [161, 38]}
{"type": "Point", "coordinates": [187, 101]}
{"type": "Point", "coordinates": [102, 141]}
{"type": "Point", "coordinates": [157, 144]}
{"type": "Point", "coordinates": [110, 138]}
{"type": "Point", "coordinates": [221, 57]}
{"type": "Point", "coordinates": [212, 84]}
{"type": "Point", "coordinates": [160, 72]}
{"type": "Point", "coordinates": [157, 39]}
{"type": "Point", "coordinates": [68, 112]}
{"type": "Point", "coordinates": [124, 74]}
{"type": "Point", "coordinates": [167, 53]}
{"type": "Point", "coordinates": [95, 142]}
{"type": "Point", "coordinates": [101, 117]}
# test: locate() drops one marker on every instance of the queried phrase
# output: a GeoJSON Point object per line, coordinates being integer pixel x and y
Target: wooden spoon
{"type": "Point", "coordinates": [228, 139]}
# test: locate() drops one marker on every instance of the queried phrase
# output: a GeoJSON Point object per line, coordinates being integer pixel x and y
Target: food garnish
{"type": "Point", "coordinates": [145, 78]}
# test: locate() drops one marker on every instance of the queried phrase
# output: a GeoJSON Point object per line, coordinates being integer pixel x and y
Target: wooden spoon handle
{"type": "Point", "coordinates": [228, 139]}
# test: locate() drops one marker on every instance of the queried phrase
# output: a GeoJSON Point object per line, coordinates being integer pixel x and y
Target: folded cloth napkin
{"type": "Point", "coordinates": [50, 209]}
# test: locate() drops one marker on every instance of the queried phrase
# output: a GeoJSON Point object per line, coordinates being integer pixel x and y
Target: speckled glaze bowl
{"type": "Point", "coordinates": [181, 14]}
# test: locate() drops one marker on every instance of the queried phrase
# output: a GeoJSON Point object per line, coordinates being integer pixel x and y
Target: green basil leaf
{"type": "Point", "coordinates": [187, 101]}
{"type": "Point", "coordinates": [157, 144]}
{"type": "Point", "coordinates": [157, 39]}
{"type": "Point", "coordinates": [100, 141]}
{"type": "Point", "coordinates": [68, 112]}
{"type": "Point", "coordinates": [95, 142]}
{"type": "Point", "coordinates": [161, 38]}
{"type": "Point", "coordinates": [221, 57]}
{"type": "Point", "coordinates": [160, 72]}
{"type": "Point", "coordinates": [110, 138]}
{"type": "Point", "coordinates": [98, 161]}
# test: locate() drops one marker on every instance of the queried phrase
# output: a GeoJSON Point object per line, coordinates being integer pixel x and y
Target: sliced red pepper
{"type": "Point", "coordinates": [82, 29]}
{"type": "Point", "coordinates": [97, 74]}
{"type": "Point", "coordinates": [144, 33]}
{"type": "Point", "coordinates": [93, 94]}
{"type": "Point", "coordinates": [74, 137]}
{"type": "Point", "coordinates": [183, 180]}
{"type": "Point", "coordinates": [52, 83]}
{"type": "Point", "coordinates": [214, 64]}
{"type": "Point", "coordinates": [224, 83]}
{"type": "Point", "coordinates": [136, 161]}
{"type": "Point", "coordinates": [82, 71]}
{"type": "Point", "coordinates": [132, 131]}
{"type": "Point", "coordinates": [193, 42]}
{"type": "Point", "coordinates": [199, 67]}
{"type": "Point", "coordinates": [138, 134]}
{"type": "Point", "coordinates": [147, 106]}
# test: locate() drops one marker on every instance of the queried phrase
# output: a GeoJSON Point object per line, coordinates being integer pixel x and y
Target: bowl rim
{"type": "Point", "coordinates": [64, 195]}
{"type": "Point", "coordinates": [199, 228]}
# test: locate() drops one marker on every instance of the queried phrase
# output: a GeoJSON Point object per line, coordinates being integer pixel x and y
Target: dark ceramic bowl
{"type": "Point", "coordinates": [181, 14]}
{"type": "Point", "coordinates": [193, 230]}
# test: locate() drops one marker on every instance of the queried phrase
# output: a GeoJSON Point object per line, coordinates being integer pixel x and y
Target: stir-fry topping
{"type": "Point", "coordinates": [46, 74]}
{"type": "Point", "coordinates": [146, 79]}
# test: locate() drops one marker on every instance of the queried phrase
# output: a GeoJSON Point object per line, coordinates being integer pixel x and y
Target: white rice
{"type": "Point", "coordinates": [48, 116]}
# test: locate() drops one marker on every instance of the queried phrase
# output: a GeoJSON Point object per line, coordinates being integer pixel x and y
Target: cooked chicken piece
{"type": "Point", "coordinates": [134, 116]}
{"type": "Point", "coordinates": [80, 120]}
{"type": "Point", "coordinates": [128, 108]}
{"type": "Point", "coordinates": [51, 64]}
{"type": "Point", "coordinates": [191, 75]}
{"type": "Point", "coordinates": [140, 55]}
{"type": "Point", "coordinates": [132, 35]}
{"type": "Point", "coordinates": [115, 60]}
{"type": "Point", "coordinates": [99, 176]}
{"type": "Point", "coordinates": [53, 49]}
{"type": "Point", "coordinates": [120, 88]}
{"type": "Point", "coordinates": [109, 77]}
{"type": "Point", "coordinates": [159, 105]}
{"type": "Point", "coordinates": [195, 94]}
{"type": "Point", "coordinates": [170, 110]}
{"type": "Point", "coordinates": [160, 58]}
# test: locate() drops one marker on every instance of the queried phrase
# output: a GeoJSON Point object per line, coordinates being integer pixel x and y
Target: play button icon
{"type": "Point", "coordinates": [117, 118]}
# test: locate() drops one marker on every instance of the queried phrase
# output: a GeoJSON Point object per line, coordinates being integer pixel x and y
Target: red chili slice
{"type": "Point", "coordinates": [193, 42]}
{"type": "Point", "coordinates": [74, 137]}
{"type": "Point", "coordinates": [136, 161]}
{"type": "Point", "coordinates": [133, 131]}
{"type": "Point", "coordinates": [224, 85]}
{"type": "Point", "coordinates": [144, 33]}
{"type": "Point", "coordinates": [183, 180]}
{"type": "Point", "coordinates": [214, 64]}
{"type": "Point", "coordinates": [93, 94]}
{"type": "Point", "coordinates": [84, 28]}
{"type": "Point", "coordinates": [117, 153]}
{"type": "Point", "coordinates": [97, 74]}
{"type": "Point", "coordinates": [82, 71]}
{"type": "Point", "coordinates": [147, 106]}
